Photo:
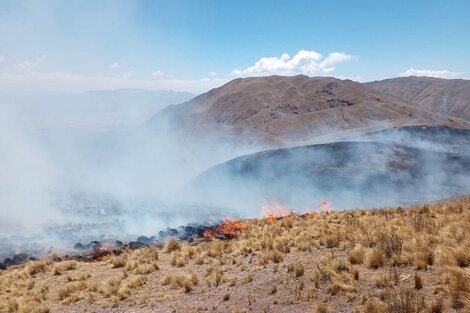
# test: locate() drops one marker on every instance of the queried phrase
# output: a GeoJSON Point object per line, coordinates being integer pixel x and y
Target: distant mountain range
{"type": "Point", "coordinates": [286, 111]}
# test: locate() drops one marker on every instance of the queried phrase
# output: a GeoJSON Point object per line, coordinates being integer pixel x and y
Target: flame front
{"type": "Point", "coordinates": [228, 228]}
{"type": "Point", "coordinates": [273, 212]}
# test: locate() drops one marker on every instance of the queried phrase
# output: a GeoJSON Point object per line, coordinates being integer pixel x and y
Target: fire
{"type": "Point", "coordinates": [272, 213]}
{"type": "Point", "coordinates": [276, 211]}
{"type": "Point", "coordinates": [228, 228]}
{"type": "Point", "coordinates": [209, 234]}
{"type": "Point", "coordinates": [309, 214]}
{"type": "Point", "coordinates": [325, 206]}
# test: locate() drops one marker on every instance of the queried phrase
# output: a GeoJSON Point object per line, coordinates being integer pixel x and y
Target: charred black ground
{"type": "Point", "coordinates": [399, 171]}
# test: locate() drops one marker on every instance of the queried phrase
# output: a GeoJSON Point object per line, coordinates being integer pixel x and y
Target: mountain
{"type": "Point", "coordinates": [445, 96]}
{"type": "Point", "coordinates": [91, 109]}
{"type": "Point", "coordinates": [286, 111]}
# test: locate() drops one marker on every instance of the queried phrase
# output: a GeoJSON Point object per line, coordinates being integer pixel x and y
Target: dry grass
{"type": "Point", "coordinates": [395, 260]}
{"type": "Point", "coordinates": [35, 267]}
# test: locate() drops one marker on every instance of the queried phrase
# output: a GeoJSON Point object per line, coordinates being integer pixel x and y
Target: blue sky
{"type": "Point", "coordinates": [196, 45]}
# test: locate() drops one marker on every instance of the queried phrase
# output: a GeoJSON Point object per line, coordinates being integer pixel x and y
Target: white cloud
{"type": "Point", "coordinates": [113, 66]}
{"type": "Point", "coordinates": [158, 73]}
{"type": "Point", "coordinates": [2, 59]}
{"type": "Point", "coordinates": [212, 73]}
{"type": "Point", "coordinates": [431, 73]}
{"type": "Point", "coordinates": [29, 66]}
{"type": "Point", "coordinates": [304, 62]}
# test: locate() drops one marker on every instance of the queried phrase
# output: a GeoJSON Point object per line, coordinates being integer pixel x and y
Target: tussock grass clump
{"type": "Point", "coordinates": [356, 255]}
{"type": "Point", "coordinates": [172, 245]}
{"type": "Point", "coordinates": [437, 306]}
{"type": "Point", "coordinates": [185, 281]}
{"type": "Point", "coordinates": [118, 261]}
{"type": "Point", "coordinates": [404, 301]}
{"type": "Point", "coordinates": [374, 306]}
{"type": "Point", "coordinates": [67, 266]}
{"type": "Point", "coordinates": [321, 308]}
{"type": "Point", "coordinates": [69, 289]}
{"type": "Point", "coordinates": [375, 258]}
{"type": "Point", "coordinates": [462, 256]}
{"type": "Point", "coordinates": [35, 267]}
{"type": "Point", "coordinates": [32, 307]}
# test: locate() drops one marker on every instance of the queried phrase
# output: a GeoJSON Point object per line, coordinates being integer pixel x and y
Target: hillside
{"type": "Point", "coordinates": [293, 110]}
{"type": "Point", "coordinates": [446, 96]}
{"type": "Point", "coordinates": [396, 260]}
{"type": "Point", "coordinates": [351, 174]}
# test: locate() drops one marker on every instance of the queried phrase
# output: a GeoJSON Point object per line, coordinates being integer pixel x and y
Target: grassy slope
{"type": "Point", "coordinates": [397, 260]}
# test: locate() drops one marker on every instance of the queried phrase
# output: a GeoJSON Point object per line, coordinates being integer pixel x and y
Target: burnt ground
{"type": "Point", "coordinates": [351, 174]}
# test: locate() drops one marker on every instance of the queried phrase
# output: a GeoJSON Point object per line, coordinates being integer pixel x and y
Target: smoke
{"type": "Point", "coordinates": [26, 176]}
{"type": "Point", "coordinates": [62, 186]}
{"type": "Point", "coordinates": [385, 168]}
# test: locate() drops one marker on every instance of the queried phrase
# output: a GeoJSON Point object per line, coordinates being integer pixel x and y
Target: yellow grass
{"type": "Point", "coordinates": [394, 260]}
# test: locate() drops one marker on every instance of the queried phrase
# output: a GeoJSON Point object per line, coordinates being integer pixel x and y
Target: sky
{"type": "Point", "coordinates": [73, 46]}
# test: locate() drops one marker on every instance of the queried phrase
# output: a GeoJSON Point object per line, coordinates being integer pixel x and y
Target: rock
{"type": "Point", "coordinates": [172, 231]}
{"type": "Point", "coordinates": [404, 277]}
{"type": "Point", "coordinates": [136, 244]}
{"type": "Point", "coordinates": [20, 258]}
{"type": "Point", "coordinates": [78, 246]}
{"type": "Point", "coordinates": [94, 244]}
{"type": "Point", "coordinates": [146, 240]}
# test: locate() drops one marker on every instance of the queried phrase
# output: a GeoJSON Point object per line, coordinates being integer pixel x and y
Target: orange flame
{"type": "Point", "coordinates": [209, 234]}
{"type": "Point", "coordinates": [272, 213]}
{"type": "Point", "coordinates": [229, 228]}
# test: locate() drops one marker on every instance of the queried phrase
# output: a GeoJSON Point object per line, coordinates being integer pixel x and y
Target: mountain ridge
{"type": "Point", "coordinates": [293, 109]}
{"type": "Point", "coordinates": [446, 96]}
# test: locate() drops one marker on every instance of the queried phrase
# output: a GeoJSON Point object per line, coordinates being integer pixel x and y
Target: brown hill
{"type": "Point", "coordinates": [445, 96]}
{"type": "Point", "coordinates": [293, 110]}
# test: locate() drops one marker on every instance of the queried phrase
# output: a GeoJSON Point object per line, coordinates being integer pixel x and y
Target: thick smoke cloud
{"type": "Point", "coordinates": [63, 185]}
